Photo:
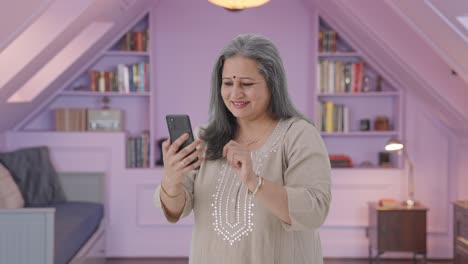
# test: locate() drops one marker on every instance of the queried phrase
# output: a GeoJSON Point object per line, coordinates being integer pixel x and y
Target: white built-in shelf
{"type": "Point", "coordinates": [126, 53]}
{"type": "Point", "coordinates": [360, 134]}
{"type": "Point", "coordinates": [339, 54]}
{"type": "Point", "coordinates": [87, 93]}
{"type": "Point", "coordinates": [360, 94]}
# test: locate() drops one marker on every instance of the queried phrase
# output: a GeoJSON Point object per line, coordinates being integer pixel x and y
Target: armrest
{"type": "Point", "coordinates": [27, 235]}
{"type": "Point", "coordinates": [35, 210]}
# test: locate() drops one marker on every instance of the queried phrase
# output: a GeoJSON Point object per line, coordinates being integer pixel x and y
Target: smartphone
{"type": "Point", "coordinates": [177, 126]}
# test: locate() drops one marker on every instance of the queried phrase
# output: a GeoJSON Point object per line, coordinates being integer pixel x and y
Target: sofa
{"type": "Point", "coordinates": [38, 222]}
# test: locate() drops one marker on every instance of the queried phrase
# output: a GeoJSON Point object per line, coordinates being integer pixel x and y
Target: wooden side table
{"type": "Point", "coordinates": [460, 232]}
{"type": "Point", "coordinates": [397, 228]}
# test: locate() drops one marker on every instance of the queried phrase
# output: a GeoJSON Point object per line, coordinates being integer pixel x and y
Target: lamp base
{"type": "Point", "coordinates": [410, 203]}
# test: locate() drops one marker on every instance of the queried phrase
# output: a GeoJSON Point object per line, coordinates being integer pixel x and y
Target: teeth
{"type": "Point", "coordinates": [239, 103]}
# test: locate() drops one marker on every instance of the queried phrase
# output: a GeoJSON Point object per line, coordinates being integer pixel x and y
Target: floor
{"type": "Point", "coordinates": [327, 261]}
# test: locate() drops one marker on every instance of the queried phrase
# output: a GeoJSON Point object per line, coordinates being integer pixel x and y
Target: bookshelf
{"type": "Point", "coordinates": [357, 110]}
{"type": "Point", "coordinates": [118, 78]}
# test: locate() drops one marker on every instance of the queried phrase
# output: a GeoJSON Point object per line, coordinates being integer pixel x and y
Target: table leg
{"type": "Point", "coordinates": [377, 260]}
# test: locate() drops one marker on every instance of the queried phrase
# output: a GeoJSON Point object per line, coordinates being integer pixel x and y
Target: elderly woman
{"type": "Point", "coordinates": [263, 186]}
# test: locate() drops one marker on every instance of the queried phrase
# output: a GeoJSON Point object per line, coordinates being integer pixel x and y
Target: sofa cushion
{"type": "Point", "coordinates": [75, 223]}
{"type": "Point", "coordinates": [10, 196]}
{"type": "Point", "coordinates": [35, 175]}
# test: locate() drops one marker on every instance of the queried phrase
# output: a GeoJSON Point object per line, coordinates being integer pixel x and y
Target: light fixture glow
{"type": "Point", "coordinates": [60, 62]}
{"type": "Point", "coordinates": [394, 145]}
{"type": "Point", "coordinates": [238, 4]}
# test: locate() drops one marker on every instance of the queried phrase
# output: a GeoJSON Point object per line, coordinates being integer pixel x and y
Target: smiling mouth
{"type": "Point", "coordinates": [239, 104]}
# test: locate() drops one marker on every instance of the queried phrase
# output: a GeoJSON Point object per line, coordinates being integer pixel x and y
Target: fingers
{"type": "Point", "coordinates": [229, 146]}
{"type": "Point", "coordinates": [175, 146]}
{"type": "Point", "coordinates": [187, 161]}
{"type": "Point", "coordinates": [185, 156]}
{"type": "Point", "coordinates": [235, 154]}
{"type": "Point", "coordinates": [165, 146]}
{"type": "Point", "coordinates": [183, 153]}
{"type": "Point", "coordinates": [194, 165]}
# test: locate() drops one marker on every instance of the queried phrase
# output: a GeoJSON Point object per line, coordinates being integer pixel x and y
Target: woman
{"type": "Point", "coordinates": [263, 187]}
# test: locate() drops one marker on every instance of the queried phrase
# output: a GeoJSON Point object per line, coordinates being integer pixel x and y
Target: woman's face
{"type": "Point", "coordinates": [244, 89]}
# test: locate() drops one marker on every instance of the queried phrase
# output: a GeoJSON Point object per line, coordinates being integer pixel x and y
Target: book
{"type": "Point", "coordinates": [340, 161]}
{"type": "Point", "coordinates": [388, 202]}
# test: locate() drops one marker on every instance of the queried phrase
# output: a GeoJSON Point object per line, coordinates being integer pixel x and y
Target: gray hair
{"type": "Point", "coordinates": [223, 124]}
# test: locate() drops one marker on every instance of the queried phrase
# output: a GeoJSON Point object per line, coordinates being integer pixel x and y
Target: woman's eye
{"type": "Point", "coordinates": [227, 83]}
{"type": "Point", "coordinates": [247, 84]}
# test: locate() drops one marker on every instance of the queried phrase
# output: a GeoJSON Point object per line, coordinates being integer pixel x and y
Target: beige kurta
{"type": "Point", "coordinates": [232, 227]}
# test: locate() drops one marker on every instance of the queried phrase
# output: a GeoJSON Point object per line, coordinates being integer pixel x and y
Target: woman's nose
{"type": "Point", "coordinates": [237, 90]}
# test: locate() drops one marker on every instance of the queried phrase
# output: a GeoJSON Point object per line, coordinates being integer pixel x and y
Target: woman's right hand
{"type": "Point", "coordinates": [176, 164]}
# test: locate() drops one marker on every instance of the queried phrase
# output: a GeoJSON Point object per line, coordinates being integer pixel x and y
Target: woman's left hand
{"type": "Point", "coordinates": [239, 158]}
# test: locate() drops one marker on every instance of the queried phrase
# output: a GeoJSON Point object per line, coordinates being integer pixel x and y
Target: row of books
{"type": "Point", "coordinates": [327, 41]}
{"type": "Point", "coordinates": [332, 117]}
{"type": "Point", "coordinates": [134, 41]}
{"type": "Point", "coordinates": [138, 149]}
{"type": "Point", "coordinates": [126, 78]}
{"type": "Point", "coordinates": [340, 161]}
{"type": "Point", "coordinates": [340, 77]}
{"type": "Point", "coordinates": [70, 119]}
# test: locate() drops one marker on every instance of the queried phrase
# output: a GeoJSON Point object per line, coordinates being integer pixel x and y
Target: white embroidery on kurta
{"type": "Point", "coordinates": [232, 202]}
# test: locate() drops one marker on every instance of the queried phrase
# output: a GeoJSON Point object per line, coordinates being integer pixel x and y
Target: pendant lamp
{"type": "Point", "coordinates": [238, 4]}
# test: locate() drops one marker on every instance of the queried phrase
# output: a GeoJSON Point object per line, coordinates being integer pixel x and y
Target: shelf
{"type": "Point", "coordinates": [155, 168]}
{"type": "Point", "coordinates": [87, 93]}
{"type": "Point", "coordinates": [361, 94]}
{"type": "Point", "coordinates": [338, 54]}
{"type": "Point", "coordinates": [366, 169]}
{"type": "Point", "coordinates": [360, 134]}
{"type": "Point", "coordinates": [126, 53]}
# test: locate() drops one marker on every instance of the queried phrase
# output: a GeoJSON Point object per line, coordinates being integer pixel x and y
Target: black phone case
{"type": "Point", "coordinates": [178, 125]}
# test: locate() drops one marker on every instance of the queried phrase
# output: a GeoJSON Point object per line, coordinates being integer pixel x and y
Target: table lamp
{"type": "Point", "coordinates": [396, 145]}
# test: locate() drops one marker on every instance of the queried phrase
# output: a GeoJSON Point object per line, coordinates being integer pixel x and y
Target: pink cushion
{"type": "Point", "coordinates": [10, 196]}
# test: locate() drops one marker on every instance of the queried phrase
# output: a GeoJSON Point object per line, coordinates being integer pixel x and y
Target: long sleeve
{"type": "Point", "coordinates": [307, 177]}
{"type": "Point", "coordinates": [188, 191]}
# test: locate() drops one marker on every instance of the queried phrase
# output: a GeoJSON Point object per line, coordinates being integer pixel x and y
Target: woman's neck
{"type": "Point", "coordinates": [253, 132]}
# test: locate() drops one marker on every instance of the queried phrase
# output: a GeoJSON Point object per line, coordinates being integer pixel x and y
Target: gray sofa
{"type": "Point", "coordinates": [51, 228]}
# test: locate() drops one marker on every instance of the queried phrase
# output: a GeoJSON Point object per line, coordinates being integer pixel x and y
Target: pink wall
{"type": "Point", "coordinates": [190, 34]}
{"type": "Point", "coordinates": [187, 38]}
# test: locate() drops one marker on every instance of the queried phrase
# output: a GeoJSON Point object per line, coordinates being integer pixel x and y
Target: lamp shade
{"type": "Point", "coordinates": [238, 4]}
{"type": "Point", "coordinates": [394, 145]}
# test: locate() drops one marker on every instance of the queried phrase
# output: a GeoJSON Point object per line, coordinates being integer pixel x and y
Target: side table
{"type": "Point", "coordinates": [460, 232]}
{"type": "Point", "coordinates": [397, 228]}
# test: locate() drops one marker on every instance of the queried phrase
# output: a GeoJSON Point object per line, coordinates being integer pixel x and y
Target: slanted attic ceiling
{"type": "Point", "coordinates": [118, 13]}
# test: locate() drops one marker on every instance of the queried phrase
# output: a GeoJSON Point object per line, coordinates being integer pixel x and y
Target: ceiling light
{"type": "Point", "coordinates": [238, 4]}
